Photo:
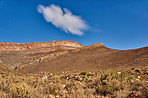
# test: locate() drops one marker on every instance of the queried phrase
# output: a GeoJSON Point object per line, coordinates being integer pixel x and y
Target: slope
{"type": "Point", "coordinates": [21, 54]}
{"type": "Point", "coordinates": [91, 58]}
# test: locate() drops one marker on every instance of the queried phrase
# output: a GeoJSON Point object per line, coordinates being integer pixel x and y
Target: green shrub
{"type": "Point", "coordinates": [138, 70]}
{"type": "Point", "coordinates": [131, 79]}
{"type": "Point", "coordinates": [83, 73]}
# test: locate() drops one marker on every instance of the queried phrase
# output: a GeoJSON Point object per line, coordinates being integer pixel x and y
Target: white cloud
{"type": "Point", "coordinates": [63, 19]}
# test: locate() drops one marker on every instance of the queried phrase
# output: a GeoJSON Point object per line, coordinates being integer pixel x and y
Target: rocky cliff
{"type": "Point", "coordinates": [22, 54]}
{"type": "Point", "coordinates": [35, 45]}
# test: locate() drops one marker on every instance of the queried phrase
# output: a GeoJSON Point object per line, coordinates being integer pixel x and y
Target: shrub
{"type": "Point", "coordinates": [141, 87]}
{"type": "Point", "coordinates": [113, 82]}
{"type": "Point", "coordinates": [83, 73]}
{"type": "Point", "coordinates": [20, 90]}
{"type": "Point", "coordinates": [108, 87]}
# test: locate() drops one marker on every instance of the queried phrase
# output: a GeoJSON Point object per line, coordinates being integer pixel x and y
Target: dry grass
{"type": "Point", "coordinates": [109, 83]}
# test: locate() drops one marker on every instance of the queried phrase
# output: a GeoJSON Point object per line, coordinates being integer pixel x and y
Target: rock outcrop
{"type": "Point", "coordinates": [34, 45]}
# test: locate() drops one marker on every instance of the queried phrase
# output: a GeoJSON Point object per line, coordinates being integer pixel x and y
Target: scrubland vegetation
{"type": "Point", "coordinates": [115, 83]}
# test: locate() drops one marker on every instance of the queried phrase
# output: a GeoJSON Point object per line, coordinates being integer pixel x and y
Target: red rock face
{"type": "Point", "coordinates": [21, 54]}
{"type": "Point", "coordinates": [35, 45]}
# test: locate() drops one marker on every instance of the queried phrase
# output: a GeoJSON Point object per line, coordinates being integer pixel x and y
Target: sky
{"type": "Point", "coordinates": [119, 24]}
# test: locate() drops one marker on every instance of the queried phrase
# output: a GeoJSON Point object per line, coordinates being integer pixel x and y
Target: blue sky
{"type": "Point", "coordinates": [119, 24]}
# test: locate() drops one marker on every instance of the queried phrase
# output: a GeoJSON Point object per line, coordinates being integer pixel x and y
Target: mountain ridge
{"type": "Point", "coordinates": [4, 46]}
{"type": "Point", "coordinates": [57, 56]}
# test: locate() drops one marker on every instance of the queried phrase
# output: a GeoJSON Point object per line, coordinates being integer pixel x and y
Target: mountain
{"type": "Point", "coordinates": [20, 54]}
{"type": "Point", "coordinates": [56, 56]}
{"type": "Point", "coordinates": [68, 69]}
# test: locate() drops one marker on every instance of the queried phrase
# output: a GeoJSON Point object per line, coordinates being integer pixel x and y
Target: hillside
{"type": "Point", "coordinates": [94, 57]}
{"type": "Point", "coordinates": [56, 56]}
{"type": "Point", "coordinates": [68, 69]}
{"type": "Point", "coordinates": [20, 54]}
